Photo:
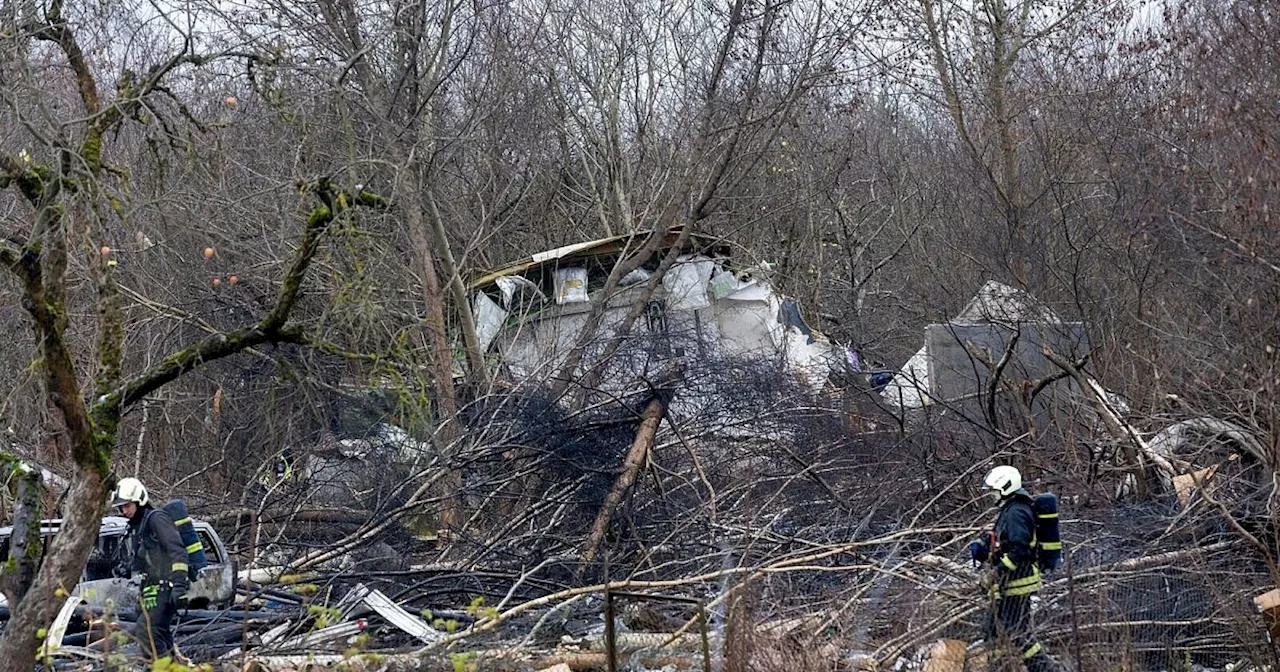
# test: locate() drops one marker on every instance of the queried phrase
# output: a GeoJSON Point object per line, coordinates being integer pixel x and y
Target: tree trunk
{"type": "Point", "coordinates": [61, 569]}
{"type": "Point", "coordinates": [467, 320]}
{"type": "Point", "coordinates": [24, 542]}
{"type": "Point", "coordinates": [441, 353]}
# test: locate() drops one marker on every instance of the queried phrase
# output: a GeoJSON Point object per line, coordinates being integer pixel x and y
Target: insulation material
{"type": "Point", "coordinates": [910, 388]}
{"type": "Point", "coordinates": [514, 286]}
{"type": "Point", "coordinates": [489, 319]}
{"type": "Point", "coordinates": [686, 283]}
{"type": "Point", "coordinates": [723, 283]}
{"type": "Point", "coordinates": [635, 277]}
{"type": "Point", "coordinates": [570, 285]}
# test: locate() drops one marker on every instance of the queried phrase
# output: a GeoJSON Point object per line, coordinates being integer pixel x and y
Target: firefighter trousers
{"type": "Point", "coordinates": [154, 628]}
{"type": "Point", "coordinates": [1012, 638]}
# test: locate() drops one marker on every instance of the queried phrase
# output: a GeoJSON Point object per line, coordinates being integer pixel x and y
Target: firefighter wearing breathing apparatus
{"type": "Point", "coordinates": [161, 559]}
{"type": "Point", "coordinates": [1012, 550]}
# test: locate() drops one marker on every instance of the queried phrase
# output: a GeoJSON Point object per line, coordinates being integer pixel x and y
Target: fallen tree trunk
{"type": "Point", "coordinates": [305, 516]}
{"type": "Point", "coordinates": [636, 458]}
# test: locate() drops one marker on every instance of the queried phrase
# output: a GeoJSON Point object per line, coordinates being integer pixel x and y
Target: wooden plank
{"type": "Point", "coordinates": [1268, 601]}
{"type": "Point", "coordinates": [945, 655]}
{"type": "Point", "coordinates": [1186, 484]}
{"type": "Point", "coordinates": [1268, 604]}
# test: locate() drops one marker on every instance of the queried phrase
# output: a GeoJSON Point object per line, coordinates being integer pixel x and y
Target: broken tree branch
{"type": "Point", "coordinates": [1111, 417]}
{"type": "Point", "coordinates": [636, 458]}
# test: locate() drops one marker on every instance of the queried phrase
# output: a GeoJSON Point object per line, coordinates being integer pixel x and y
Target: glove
{"type": "Point", "coordinates": [150, 597]}
{"type": "Point", "coordinates": [979, 552]}
{"type": "Point", "coordinates": [986, 580]}
{"type": "Point", "coordinates": [178, 592]}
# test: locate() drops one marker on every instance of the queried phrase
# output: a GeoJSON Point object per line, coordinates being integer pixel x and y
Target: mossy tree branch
{"type": "Point", "coordinates": [271, 329]}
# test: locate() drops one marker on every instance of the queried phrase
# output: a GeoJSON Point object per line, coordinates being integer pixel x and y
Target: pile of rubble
{"type": "Point", "coordinates": [293, 627]}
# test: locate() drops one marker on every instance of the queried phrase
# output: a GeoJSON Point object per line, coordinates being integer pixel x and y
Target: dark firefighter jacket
{"type": "Point", "coordinates": [1014, 556]}
{"type": "Point", "coordinates": [158, 550]}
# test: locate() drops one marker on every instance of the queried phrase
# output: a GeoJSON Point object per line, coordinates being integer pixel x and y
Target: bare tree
{"type": "Point", "coordinates": [70, 188]}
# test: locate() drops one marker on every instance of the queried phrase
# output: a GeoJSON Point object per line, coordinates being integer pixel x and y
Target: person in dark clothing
{"type": "Point", "coordinates": [1010, 549]}
{"type": "Point", "coordinates": [161, 559]}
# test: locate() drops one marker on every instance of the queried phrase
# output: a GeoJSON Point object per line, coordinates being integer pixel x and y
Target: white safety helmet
{"type": "Point", "coordinates": [129, 490]}
{"type": "Point", "coordinates": [1003, 481]}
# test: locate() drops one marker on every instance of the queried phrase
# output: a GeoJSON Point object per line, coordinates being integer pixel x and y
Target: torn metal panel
{"type": "Point", "coordinates": [703, 307]}
{"type": "Point", "coordinates": [323, 636]}
{"type": "Point", "coordinates": [266, 638]}
{"type": "Point", "coordinates": [910, 387]}
{"type": "Point", "coordinates": [961, 357]}
{"type": "Point", "coordinates": [1194, 433]}
{"type": "Point", "coordinates": [944, 370]}
{"type": "Point", "coordinates": [53, 640]}
{"type": "Point", "coordinates": [605, 246]}
{"type": "Point", "coordinates": [352, 603]}
{"type": "Point", "coordinates": [397, 616]}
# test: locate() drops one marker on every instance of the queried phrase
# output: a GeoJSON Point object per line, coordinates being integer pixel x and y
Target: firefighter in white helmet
{"type": "Point", "coordinates": [1010, 549]}
{"type": "Point", "coordinates": [161, 559]}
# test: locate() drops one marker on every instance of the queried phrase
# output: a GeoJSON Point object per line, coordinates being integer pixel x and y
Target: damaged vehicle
{"type": "Point", "coordinates": [106, 583]}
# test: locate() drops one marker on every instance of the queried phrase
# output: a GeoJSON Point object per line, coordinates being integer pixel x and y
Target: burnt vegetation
{"type": "Point", "coordinates": [299, 264]}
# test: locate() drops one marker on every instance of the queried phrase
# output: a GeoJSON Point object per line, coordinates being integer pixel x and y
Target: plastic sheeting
{"type": "Point", "coordinates": [489, 319]}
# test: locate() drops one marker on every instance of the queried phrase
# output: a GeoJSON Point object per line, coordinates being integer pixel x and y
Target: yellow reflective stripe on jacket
{"type": "Point", "coordinates": [182, 521]}
{"type": "Point", "coordinates": [195, 548]}
{"type": "Point", "coordinates": [1028, 581]}
{"type": "Point", "coordinates": [1024, 590]}
{"type": "Point", "coordinates": [1031, 651]}
{"type": "Point", "coordinates": [1052, 546]}
{"type": "Point", "coordinates": [1023, 586]}
{"type": "Point", "coordinates": [1004, 560]}
{"type": "Point", "coordinates": [1046, 515]}
{"type": "Point", "coordinates": [178, 567]}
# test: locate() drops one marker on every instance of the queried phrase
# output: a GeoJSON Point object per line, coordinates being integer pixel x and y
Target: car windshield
{"type": "Point", "coordinates": [110, 558]}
